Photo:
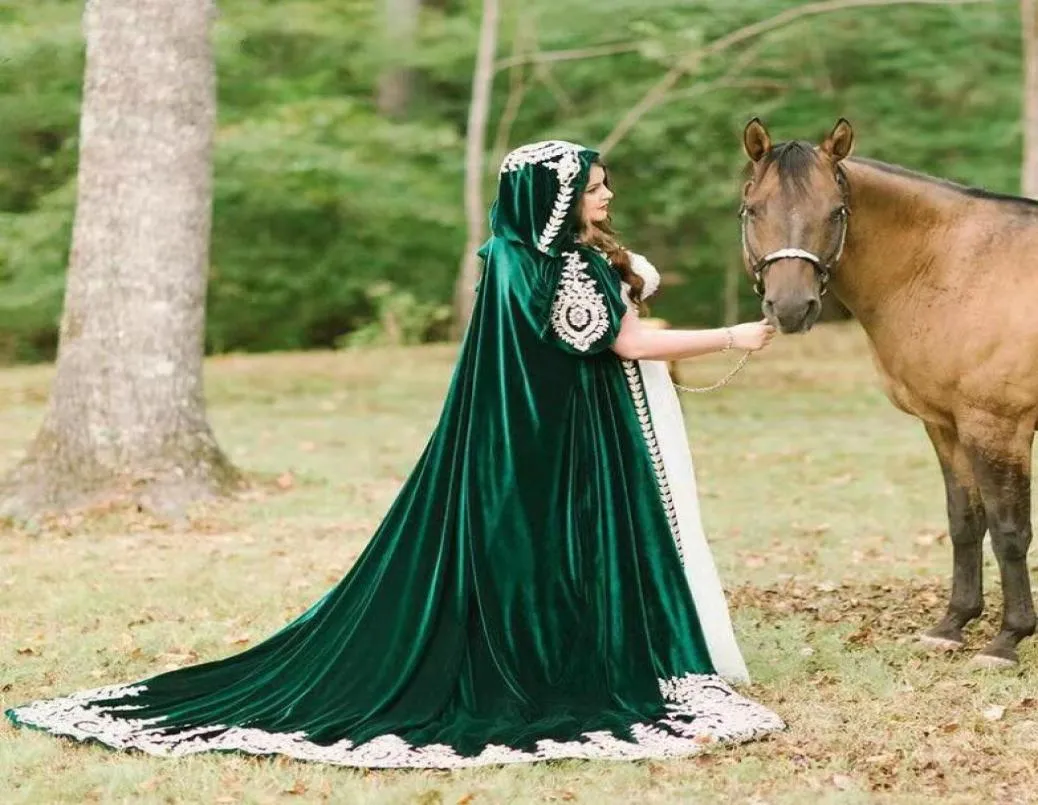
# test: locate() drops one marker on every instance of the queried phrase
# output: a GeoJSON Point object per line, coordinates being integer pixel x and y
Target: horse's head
{"type": "Point", "coordinates": [794, 221]}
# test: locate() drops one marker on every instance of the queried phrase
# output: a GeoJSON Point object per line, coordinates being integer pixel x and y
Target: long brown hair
{"type": "Point", "coordinates": [602, 236]}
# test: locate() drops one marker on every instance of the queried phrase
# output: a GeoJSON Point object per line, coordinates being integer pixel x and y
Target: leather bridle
{"type": "Point", "coordinates": [823, 267]}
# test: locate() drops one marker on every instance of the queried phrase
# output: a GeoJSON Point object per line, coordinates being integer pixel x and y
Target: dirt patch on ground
{"type": "Point", "coordinates": [894, 610]}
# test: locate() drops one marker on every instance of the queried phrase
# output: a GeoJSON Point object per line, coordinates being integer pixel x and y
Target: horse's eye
{"type": "Point", "coordinates": [750, 211]}
{"type": "Point", "coordinates": [838, 213]}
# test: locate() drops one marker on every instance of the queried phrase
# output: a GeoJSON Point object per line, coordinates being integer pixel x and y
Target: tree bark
{"type": "Point", "coordinates": [126, 416]}
{"type": "Point", "coordinates": [395, 82]}
{"type": "Point", "coordinates": [475, 150]}
{"type": "Point", "coordinates": [1029, 28]}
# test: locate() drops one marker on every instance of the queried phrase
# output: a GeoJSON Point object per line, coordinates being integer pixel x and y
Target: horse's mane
{"type": "Point", "coordinates": [966, 190]}
{"type": "Point", "coordinates": [796, 158]}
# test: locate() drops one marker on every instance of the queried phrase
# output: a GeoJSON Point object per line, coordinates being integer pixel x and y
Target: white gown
{"type": "Point", "coordinates": [669, 425]}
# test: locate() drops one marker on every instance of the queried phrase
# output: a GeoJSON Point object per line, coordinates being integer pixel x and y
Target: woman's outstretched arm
{"type": "Point", "coordinates": [635, 341]}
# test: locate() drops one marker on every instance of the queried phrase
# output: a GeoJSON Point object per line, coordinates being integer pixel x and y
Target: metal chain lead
{"type": "Point", "coordinates": [724, 381]}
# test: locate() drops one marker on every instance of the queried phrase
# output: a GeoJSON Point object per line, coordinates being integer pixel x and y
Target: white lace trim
{"type": "Point", "coordinates": [641, 405]}
{"type": "Point", "coordinates": [537, 153]}
{"type": "Point", "coordinates": [579, 314]}
{"type": "Point", "coordinates": [701, 710]}
{"type": "Point", "coordinates": [566, 168]}
{"type": "Point", "coordinates": [561, 157]}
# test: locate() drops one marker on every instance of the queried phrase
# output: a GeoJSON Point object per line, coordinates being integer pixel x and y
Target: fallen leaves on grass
{"type": "Point", "coordinates": [843, 782]}
{"type": "Point", "coordinates": [151, 784]}
{"type": "Point", "coordinates": [297, 790]}
{"type": "Point", "coordinates": [888, 610]}
{"type": "Point", "coordinates": [172, 660]}
{"type": "Point", "coordinates": [927, 538]}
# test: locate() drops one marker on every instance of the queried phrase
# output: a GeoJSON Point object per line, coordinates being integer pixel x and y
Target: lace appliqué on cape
{"type": "Point", "coordinates": [701, 710]}
{"type": "Point", "coordinates": [579, 315]}
{"type": "Point", "coordinates": [537, 153]}
{"type": "Point", "coordinates": [561, 157]}
{"type": "Point", "coordinates": [647, 271]}
{"type": "Point", "coordinates": [641, 406]}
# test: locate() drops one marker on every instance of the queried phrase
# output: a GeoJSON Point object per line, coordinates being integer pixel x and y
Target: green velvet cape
{"type": "Point", "coordinates": [523, 598]}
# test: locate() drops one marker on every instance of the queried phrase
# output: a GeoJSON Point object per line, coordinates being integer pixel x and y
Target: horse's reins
{"type": "Point", "coordinates": [823, 269]}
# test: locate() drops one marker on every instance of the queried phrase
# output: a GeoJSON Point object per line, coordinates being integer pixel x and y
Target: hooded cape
{"type": "Point", "coordinates": [523, 598]}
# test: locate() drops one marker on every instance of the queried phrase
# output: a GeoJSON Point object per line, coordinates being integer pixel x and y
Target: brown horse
{"type": "Point", "coordinates": [943, 279]}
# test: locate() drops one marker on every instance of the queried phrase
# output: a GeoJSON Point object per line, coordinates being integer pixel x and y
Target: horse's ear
{"type": "Point", "coordinates": [840, 141]}
{"type": "Point", "coordinates": [755, 140]}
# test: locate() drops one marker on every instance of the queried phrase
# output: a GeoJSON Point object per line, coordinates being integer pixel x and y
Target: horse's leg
{"type": "Point", "coordinates": [966, 527]}
{"type": "Point", "coordinates": [1001, 459]}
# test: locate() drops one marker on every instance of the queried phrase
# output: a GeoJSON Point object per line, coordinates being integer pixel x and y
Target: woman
{"type": "Point", "coordinates": [540, 588]}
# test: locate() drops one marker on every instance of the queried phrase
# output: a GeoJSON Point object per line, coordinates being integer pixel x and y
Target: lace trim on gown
{"type": "Point", "coordinates": [701, 710]}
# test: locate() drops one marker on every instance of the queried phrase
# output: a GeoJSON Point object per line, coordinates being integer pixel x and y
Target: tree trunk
{"type": "Point", "coordinates": [395, 82]}
{"type": "Point", "coordinates": [126, 415]}
{"type": "Point", "coordinates": [475, 150]}
{"type": "Point", "coordinates": [1029, 27]}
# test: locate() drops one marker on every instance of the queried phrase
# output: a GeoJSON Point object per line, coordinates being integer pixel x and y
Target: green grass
{"type": "Point", "coordinates": [823, 504]}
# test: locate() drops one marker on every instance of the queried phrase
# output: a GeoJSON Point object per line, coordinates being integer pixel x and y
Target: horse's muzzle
{"type": "Point", "coordinates": [791, 316]}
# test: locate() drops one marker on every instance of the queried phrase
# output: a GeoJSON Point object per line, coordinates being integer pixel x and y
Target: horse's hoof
{"type": "Point", "coordinates": [989, 662]}
{"type": "Point", "coordinates": [941, 644]}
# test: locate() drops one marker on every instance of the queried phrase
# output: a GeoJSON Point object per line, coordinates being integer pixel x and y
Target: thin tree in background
{"type": "Point", "coordinates": [126, 416]}
{"type": "Point", "coordinates": [1029, 27]}
{"type": "Point", "coordinates": [475, 154]}
{"type": "Point", "coordinates": [395, 84]}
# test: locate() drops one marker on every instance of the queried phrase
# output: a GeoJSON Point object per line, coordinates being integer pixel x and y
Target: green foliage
{"type": "Point", "coordinates": [302, 232]}
{"type": "Point", "coordinates": [319, 199]}
{"type": "Point", "coordinates": [401, 319]}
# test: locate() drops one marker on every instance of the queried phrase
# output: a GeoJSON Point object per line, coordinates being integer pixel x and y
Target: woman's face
{"type": "Point", "coordinates": [595, 204]}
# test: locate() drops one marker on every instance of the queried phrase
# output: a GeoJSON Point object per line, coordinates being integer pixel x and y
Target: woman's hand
{"type": "Point", "coordinates": [752, 336]}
